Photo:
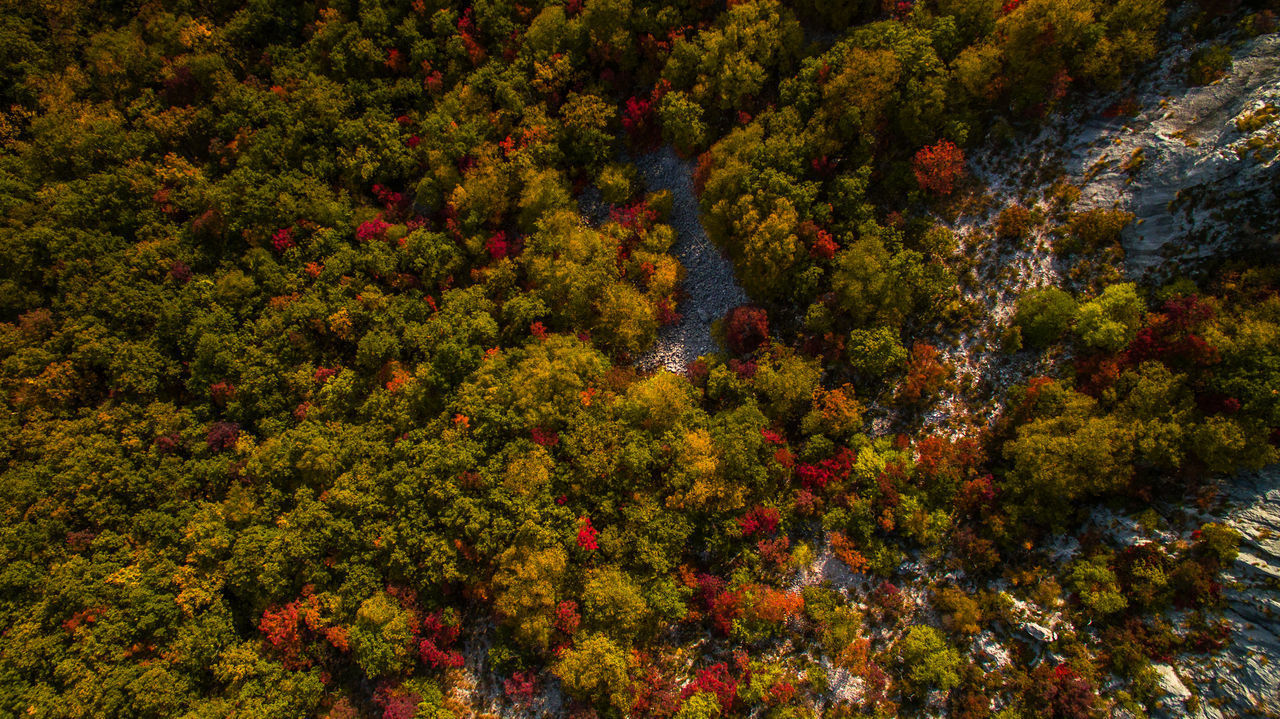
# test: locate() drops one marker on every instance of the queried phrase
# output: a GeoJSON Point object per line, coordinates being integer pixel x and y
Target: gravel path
{"type": "Point", "coordinates": [709, 287]}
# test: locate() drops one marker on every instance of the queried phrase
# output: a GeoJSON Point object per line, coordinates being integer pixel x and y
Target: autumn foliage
{"type": "Point", "coordinates": [938, 167]}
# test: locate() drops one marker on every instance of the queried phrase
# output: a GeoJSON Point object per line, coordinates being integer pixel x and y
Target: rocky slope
{"type": "Point", "coordinates": [1244, 679]}
{"type": "Point", "coordinates": [1186, 164]}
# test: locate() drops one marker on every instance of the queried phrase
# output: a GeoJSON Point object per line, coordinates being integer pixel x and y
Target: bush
{"type": "Point", "coordinates": [1014, 223]}
{"type": "Point", "coordinates": [1208, 64]}
{"type": "Point", "coordinates": [876, 352]}
{"type": "Point", "coordinates": [682, 123]}
{"type": "Point", "coordinates": [1110, 321]}
{"type": "Point", "coordinates": [1091, 230]}
{"type": "Point", "coordinates": [927, 661]}
{"type": "Point", "coordinates": [938, 167]}
{"type": "Point", "coordinates": [615, 183]}
{"type": "Point", "coordinates": [746, 328]}
{"type": "Point", "coordinates": [1043, 315]}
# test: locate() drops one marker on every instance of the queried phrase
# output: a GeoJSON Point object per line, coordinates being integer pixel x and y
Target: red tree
{"type": "Point", "coordinates": [938, 166]}
{"type": "Point", "coordinates": [746, 328]}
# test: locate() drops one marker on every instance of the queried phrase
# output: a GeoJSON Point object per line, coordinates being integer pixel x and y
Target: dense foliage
{"type": "Point", "coordinates": [319, 395]}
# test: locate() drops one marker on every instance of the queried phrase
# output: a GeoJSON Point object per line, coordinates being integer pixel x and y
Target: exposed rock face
{"type": "Point", "coordinates": [1182, 165]}
{"type": "Point", "coordinates": [1244, 679]}
{"type": "Point", "coordinates": [709, 285]}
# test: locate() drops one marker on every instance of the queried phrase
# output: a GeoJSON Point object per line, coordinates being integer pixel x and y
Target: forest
{"type": "Point", "coordinates": [319, 392]}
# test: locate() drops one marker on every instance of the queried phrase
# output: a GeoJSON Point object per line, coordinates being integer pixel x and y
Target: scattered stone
{"type": "Point", "coordinates": [710, 289]}
{"type": "Point", "coordinates": [1039, 633]}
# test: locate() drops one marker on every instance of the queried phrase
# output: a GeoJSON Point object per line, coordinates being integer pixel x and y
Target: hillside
{"type": "Point", "coordinates": [612, 358]}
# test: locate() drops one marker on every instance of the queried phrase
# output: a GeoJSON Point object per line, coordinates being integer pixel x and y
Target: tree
{"type": "Point", "coordinates": [938, 167]}
{"type": "Point", "coordinates": [1096, 583]}
{"type": "Point", "coordinates": [746, 328]}
{"type": "Point", "coordinates": [875, 352]}
{"type": "Point", "coordinates": [867, 286]}
{"type": "Point", "coordinates": [381, 637]}
{"type": "Point", "coordinates": [613, 604]}
{"type": "Point", "coordinates": [595, 670]}
{"type": "Point", "coordinates": [1044, 314]}
{"type": "Point", "coordinates": [1111, 320]}
{"type": "Point", "coordinates": [1066, 451]}
{"type": "Point", "coordinates": [927, 661]}
{"type": "Point", "coordinates": [527, 590]}
{"type": "Point", "coordinates": [682, 123]}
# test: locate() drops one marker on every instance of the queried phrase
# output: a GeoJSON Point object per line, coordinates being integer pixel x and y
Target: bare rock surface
{"type": "Point", "coordinates": [1182, 165]}
{"type": "Point", "coordinates": [1244, 679]}
{"type": "Point", "coordinates": [710, 289]}
{"type": "Point", "coordinates": [1196, 178]}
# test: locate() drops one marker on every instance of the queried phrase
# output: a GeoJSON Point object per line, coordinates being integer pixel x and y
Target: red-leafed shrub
{"type": "Point", "coordinates": [587, 534]}
{"type": "Point", "coordinates": [781, 692]}
{"type": "Point", "coordinates": [775, 552]}
{"type": "Point", "coordinates": [1173, 336]}
{"type": "Point", "coordinates": [521, 687]}
{"type": "Point", "coordinates": [761, 520]}
{"type": "Point", "coordinates": [938, 167]}
{"type": "Point", "coordinates": [639, 121]}
{"type": "Point", "coordinates": [222, 436]}
{"type": "Point", "coordinates": [716, 680]}
{"type": "Point", "coordinates": [222, 392]}
{"type": "Point", "coordinates": [281, 629]}
{"type": "Point", "coordinates": [726, 607]}
{"type": "Point", "coordinates": [180, 272]}
{"type": "Point", "coordinates": [818, 476]}
{"type": "Point", "coordinates": [975, 496]}
{"type": "Point", "coordinates": [436, 658]}
{"type": "Point", "coordinates": [940, 460]}
{"type": "Point", "coordinates": [498, 246]}
{"type": "Point", "coordinates": [1062, 693]}
{"type": "Point", "coordinates": [282, 239]}
{"type": "Point", "coordinates": [396, 703]}
{"type": "Point", "coordinates": [567, 617]}
{"type": "Point", "coordinates": [372, 230]}
{"type": "Point", "coordinates": [439, 630]}
{"type": "Point", "coordinates": [746, 328]}
{"type": "Point", "coordinates": [546, 437]}
{"type": "Point", "coordinates": [925, 375]}
{"type": "Point", "coordinates": [889, 602]}
{"type": "Point", "coordinates": [656, 694]}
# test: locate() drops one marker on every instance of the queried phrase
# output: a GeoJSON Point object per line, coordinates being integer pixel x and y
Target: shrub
{"type": "Point", "coordinates": [925, 375]}
{"type": "Point", "coordinates": [928, 662]}
{"type": "Point", "coordinates": [875, 352]}
{"type": "Point", "coordinates": [1111, 320]}
{"type": "Point", "coordinates": [1208, 64]}
{"type": "Point", "coordinates": [615, 183]}
{"type": "Point", "coordinates": [746, 328]}
{"type": "Point", "coordinates": [1090, 230]}
{"type": "Point", "coordinates": [1043, 315]}
{"type": "Point", "coordinates": [938, 167]}
{"type": "Point", "coordinates": [1014, 223]}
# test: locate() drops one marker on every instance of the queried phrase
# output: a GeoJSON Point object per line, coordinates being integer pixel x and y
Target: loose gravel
{"type": "Point", "coordinates": [710, 289]}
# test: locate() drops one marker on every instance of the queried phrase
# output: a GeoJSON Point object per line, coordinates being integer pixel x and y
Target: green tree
{"type": "Point", "coordinates": [1111, 320]}
{"type": "Point", "coordinates": [927, 660]}
{"type": "Point", "coordinates": [595, 670]}
{"type": "Point", "coordinates": [1044, 314]}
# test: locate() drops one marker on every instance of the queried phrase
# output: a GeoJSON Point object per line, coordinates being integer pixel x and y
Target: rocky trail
{"type": "Point", "coordinates": [710, 289]}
